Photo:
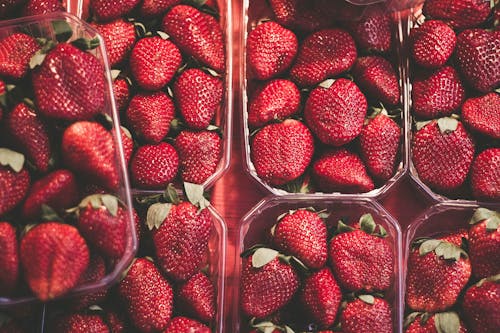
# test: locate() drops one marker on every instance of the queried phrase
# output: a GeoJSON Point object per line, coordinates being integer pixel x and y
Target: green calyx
{"type": "Point", "coordinates": [97, 201]}
{"type": "Point", "coordinates": [442, 249]}
{"type": "Point", "coordinates": [447, 322]}
{"type": "Point", "coordinates": [62, 30]}
{"type": "Point", "coordinates": [48, 214]}
{"type": "Point", "coordinates": [411, 318]}
{"type": "Point", "coordinates": [156, 215]}
{"type": "Point", "coordinates": [262, 255]}
{"type": "Point", "coordinates": [368, 299]}
{"type": "Point", "coordinates": [367, 224]}
{"type": "Point", "coordinates": [269, 327]}
{"type": "Point", "coordinates": [86, 44]}
{"type": "Point", "coordinates": [12, 159]}
{"type": "Point", "coordinates": [491, 217]}
{"type": "Point", "coordinates": [195, 195]}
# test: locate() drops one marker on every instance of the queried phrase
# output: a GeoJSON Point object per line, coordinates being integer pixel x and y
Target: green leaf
{"type": "Point", "coordinates": [49, 214]}
{"type": "Point", "coordinates": [411, 318]}
{"type": "Point", "coordinates": [37, 59]}
{"type": "Point", "coordinates": [342, 227]}
{"type": "Point", "coordinates": [447, 124]}
{"type": "Point", "coordinates": [449, 251]}
{"type": "Point", "coordinates": [263, 256]}
{"type": "Point", "coordinates": [194, 194]}
{"type": "Point", "coordinates": [447, 322]}
{"type": "Point", "coordinates": [428, 246]}
{"type": "Point", "coordinates": [12, 159]}
{"type": "Point", "coordinates": [327, 83]}
{"type": "Point", "coordinates": [382, 231]}
{"type": "Point", "coordinates": [62, 30]}
{"type": "Point", "coordinates": [157, 213]}
{"type": "Point", "coordinates": [421, 124]}
{"type": "Point", "coordinates": [111, 203]}
{"type": "Point", "coordinates": [163, 35]}
{"type": "Point", "coordinates": [171, 194]}
{"type": "Point", "coordinates": [96, 308]}
{"type": "Point", "coordinates": [368, 299]}
{"type": "Point", "coordinates": [367, 223]}
{"type": "Point", "coordinates": [494, 278]}
{"type": "Point", "coordinates": [86, 44]}
{"type": "Point", "coordinates": [492, 217]}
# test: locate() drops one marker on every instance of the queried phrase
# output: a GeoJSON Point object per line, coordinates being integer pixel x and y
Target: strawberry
{"type": "Point", "coordinates": [69, 84]}
{"type": "Point", "coordinates": [277, 99]}
{"type": "Point", "coordinates": [323, 54]}
{"type": "Point", "coordinates": [186, 325]}
{"type": "Point", "coordinates": [154, 166]}
{"type": "Point", "coordinates": [198, 96]}
{"type": "Point", "coordinates": [95, 272]}
{"type": "Point", "coordinates": [46, 251]}
{"type": "Point", "coordinates": [437, 273]}
{"type": "Point", "coordinates": [119, 38]}
{"type": "Point", "coordinates": [271, 50]}
{"type": "Point", "coordinates": [154, 61]}
{"type": "Point", "coordinates": [116, 321]}
{"type": "Point", "coordinates": [16, 51]}
{"type": "Point", "coordinates": [335, 113]}
{"type": "Point", "coordinates": [478, 57]}
{"type": "Point", "coordinates": [458, 14]}
{"type": "Point", "coordinates": [481, 299]}
{"type": "Point", "coordinates": [197, 34]}
{"type": "Point", "coordinates": [267, 283]}
{"type": "Point", "coordinates": [432, 44]}
{"type": "Point", "coordinates": [40, 7]}
{"type": "Point", "coordinates": [302, 233]}
{"type": "Point", "coordinates": [149, 115]}
{"type": "Point", "coordinates": [197, 297]}
{"type": "Point", "coordinates": [485, 175]}
{"type": "Point", "coordinates": [457, 238]}
{"type": "Point", "coordinates": [484, 243]}
{"type": "Point", "coordinates": [437, 93]}
{"type": "Point", "coordinates": [373, 32]}
{"type": "Point", "coordinates": [9, 259]}
{"type": "Point", "coordinates": [439, 322]}
{"type": "Point", "coordinates": [321, 297]}
{"type": "Point", "coordinates": [79, 323]}
{"type": "Point", "coordinates": [121, 90]}
{"type": "Point", "coordinates": [303, 15]}
{"type": "Point", "coordinates": [89, 149]}
{"type": "Point", "coordinates": [108, 10]}
{"type": "Point", "coordinates": [442, 154]}
{"type": "Point", "coordinates": [14, 180]}
{"type": "Point", "coordinates": [128, 144]}
{"type": "Point", "coordinates": [150, 8]}
{"type": "Point", "coordinates": [367, 314]}
{"type": "Point", "coordinates": [199, 155]}
{"type": "Point", "coordinates": [282, 152]}
{"type": "Point", "coordinates": [481, 114]}
{"type": "Point", "coordinates": [148, 296]}
{"type": "Point", "coordinates": [340, 170]}
{"type": "Point", "coordinates": [31, 134]}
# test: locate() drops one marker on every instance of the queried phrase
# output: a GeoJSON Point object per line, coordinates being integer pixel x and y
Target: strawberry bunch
{"type": "Point", "coordinates": [456, 68]}
{"type": "Point", "coordinates": [319, 75]}
{"type": "Point", "coordinates": [310, 277]}
{"type": "Point", "coordinates": [453, 280]}
{"type": "Point", "coordinates": [17, 8]}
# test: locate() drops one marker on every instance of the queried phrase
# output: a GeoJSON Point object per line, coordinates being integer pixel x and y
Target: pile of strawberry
{"type": "Point", "coordinates": [17, 8]}
{"type": "Point", "coordinates": [318, 281]}
{"type": "Point", "coordinates": [168, 61]}
{"type": "Point", "coordinates": [315, 70]}
{"type": "Point", "coordinates": [453, 281]}
{"type": "Point", "coordinates": [456, 69]}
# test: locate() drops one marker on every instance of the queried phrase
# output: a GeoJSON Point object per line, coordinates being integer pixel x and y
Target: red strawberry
{"type": "Point", "coordinates": [148, 296]}
{"type": "Point", "coordinates": [439, 322]}
{"type": "Point", "coordinates": [151, 8]}
{"type": "Point", "coordinates": [437, 93]}
{"type": "Point", "coordinates": [149, 115]}
{"type": "Point", "coordinates": [197, 297]}
{"type": "Point", "coordinates": [121, 90]}
{"type": "Point", "coordinates": [199, 155]}
{"type": "Point", "coordinates": [89, 149]}
{"type": "Point", "coordinates": [303, 15]}
{"type": "Point", "coordinates": [480, 299]}
{"type": "Point", "coordinates": [336, 113]}
{"type": "Point", "coordinates": [154, 61]}
{"type": "Point", "coordinates": [14, 180]}
{"type": "Point", "coordinates": [367, 314]}
{"type": "Point", "coordinates": [459, 14]}
{"type": "Point", "coordinates": [95, 272]}
{"type": "Point", "coordinates": [39, 7]}
{"type": "Point", "coordinates": [9, 259]}
{"type": "Point", "coordinates": [340, 170]}
{"type": "Point", "coordinates": [484, 243]}
{"type": "Point", "coordinates": [277, 99]}
{"type": "Point", "coordinates": [197, 34]}
{"type": "Point", "coordinates": [186, 325]}
{"type": "Point", "coordinates": [282, 152]}
{"type": "Point", "coordinates": [481, 114]}
{"type": "Point", "coordinates": [119, 38]}
{"type": "Point", "coordinates": [485, 175]}
{"type": "Point", "coordinates": [271, 50]}
{"type": "Point", "coordinates": [323, 54]}
{"type": "Point", "coordinates": [116, 321]}
{"type": "Point", "coordinates": [442, 154]}
{"type": "Point", "coordinates": [198, 96]}
{"type": "Point", "coordinates": [478, 57]}
{"type": "Point", "coordinates": [16, 51]}
{"type": "Point", "coordinates": [79, 323]}
{"type": "Point", "coordinates": [128, 143]}
{"type": "Point", "coordinates": [432, 44]}
{"type": "Point", "coordinates": [373, 32]}
{"type": "Point", "coordinates": [457, 237]}
{"type": "Point", "coordinates": [107, 10]}
{"type": "Point", "coordinates": [154, 166]}
{"type": "Point", "coordinates": [54, 256]}
{"type": "Point", "coordinates": [69, 84]}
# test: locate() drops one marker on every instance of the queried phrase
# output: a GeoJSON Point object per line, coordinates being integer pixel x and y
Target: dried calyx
{"type": "Point", "coordinates": [441, 248]}
{"type": "Point", "coordinates": [491, 217]}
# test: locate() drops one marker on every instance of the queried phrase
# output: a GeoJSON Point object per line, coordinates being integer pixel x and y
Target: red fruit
{"type": "Point", "coordinates": [282, 152]}
{"type": "Point", "coordinates": [151, 8]}
{"type": "Point", "coordinates": [373, 32]}
{"type": "Point", "coordinates": [121, 91]}
{"type": "Point", "coordinates": [154, 61]}
{"type": "Point", "coordinates": [432, 44]}
{"type": "Point", "coordinates": [480, 299]}
{"type": "Point", "coordinates": [89, 149]}
{"type": "Point", "coordinates": [16, 51]}
{"type": "Point", "coordinates": [128, 143]}
{"type": "Point", "coordinates": [54, 256]}
{"type": "Point", "coordinates": [336, 113]}
{"type": "Point", "coordinates": [481, 114]}
{"type": "Point", "coordinates": [439, 322]}
{"type": "Point", "coordinates": [459, 14]}
{"type": "Point", "coordinates": [119, 38]}
{"type": "Point", "coordinates": [485, 175]}
{"type": "Point", "coordinates": [197, 297]}
{"type": "Point", "coordinates": [154, 166]}
{"type": "Point", "coordinates": [197, 34]}
{"type": "Point", "coordinates": [69, 84]}
{"type": "Point", "coordinates": [116, 321]}
{"type": "Point", "coordinates": [9, 259]}
{"type": "Point", "coordinates": [186, 325]}
{"type": "Point", "coordinates": [437, 93]}
{"type": "Point", "coordinates": [457, 237]}
{"type": "Point", "coordinates": [340, 170]}
{"type": "Point", "coordinates": [95, 272]}
{"type": "Point", "coordinates": [367, 316]}
{"type": "Point", "coordinates": [148, 296]}
{"type": "Point", "coordinates": [39, 7]}
{"type": "Point", "coordinates": [80, 323]}
{"type": "Point", "coordinates": [198, 96]}
{"type": "Point", "coordinates": [442, 154]}
{"type": "Point", "coordinates": [107, 10]}
{"type": "Point", "coordinates": [323, 54]}
{"type": "Point", "coordinates": [303, 15]}
{"type": "Point", "coordinates": [271, 50]}
{"type": "Point", "coordinates": [13, 187]}
{"type": "Point", "coordinates": [484, 243]}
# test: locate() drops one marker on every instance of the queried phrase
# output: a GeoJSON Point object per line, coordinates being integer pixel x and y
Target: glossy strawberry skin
{"type": "Point", "coordinates": [108, 10]}
{"type": "Point", "coordinates": [13, 188]}
{"type": "Point", "coordinates": [481, 114]}
{"type": "Point", "coordinates": [154, 166]}
{"type": "Point", "coordinates": [9, 259]}
{"type": "Point", "coordinates": [186, 325]}
{"type": "Point", "coordinates": [432, 44]}
{"type": "Point", "coordinates": [484, 246]}
{"type": "Point", "coordinates": [417, 326]}
{"type": "Point", "coordinates": [150, 8]}
{"type": "Point", "coordinates": [197, 297]}
{"type": "Point", "coordinates": [360, 317]}
{"type": "Point", "coordinates": [16, 51]}
{"type": "Point", "coordinates": [121, 90]}
{"type": "Point", "coordinates": [373, 32]}
{"type": "Point", "coordinates": [485, 175]}
{"type": "Point", "coordinates": [458, 14]}
{"type": "Point", "coordinates": [79, 323]}
{"type": "Point", "coordinates": [479, 300]}
{"type": "Point", "coordinates": [119, 38]}
{"type": "Point", "coordinates": [39, 7]}
{"type": "Point", "coordinates": [302, 15]}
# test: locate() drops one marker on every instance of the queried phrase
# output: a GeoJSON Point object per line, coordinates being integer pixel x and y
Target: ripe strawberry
{"type": "Point", "coordinates": [484, 243]}
{"type": "Point", "coordinates": [128, 143]}
{"type": "Point", "coordinates": [481, 114]}
{"type": "Point", "coordinates": [197, 34]}
{"type": "Point", "coordinates": [437, 93]}
{"type": "Point", "coordinates": [457, 237]}
{"type": "Point", "coordinates": [14, 183]}
{"type": "Point", "coordinates": [9, 259]}
{"type": "Point", "coordinates": [197, 297]}
{"type": "Point", "coordinates": [95, 272]}
{"type": "Point", "coordinates": [323, 54]}
{"type": "Point", "coordinates": [367, 315]}
{"type": "Point", "coordinates": [108, 10]}
{"type": "Point", "coordinates": [154, 166]}
{"type": "Point", "coordinates": [442, 154]}
{"type": "Point", "coordinates": [121, 91]}
{"type": "Point", "coordinates": [148, 296]}
{"type": "Point", "coordinates": [150, 8]}
{"type": "Point", "coordinates": [478, 57]}
{"type": "Point", "coordinates": [46, 252]}
{"type": "Point", "coordinates": [340, 170]}
{"type": "Point", "coordinates": [199, 155]}
{"type": "Point", "coordinates": [458, 14]}
{"type": "Point", "coordinates": [58, 190]}
{"type": "Point", "coordinates": [198, 96]}
{"type": "Point", "coordinates": [373, 32]}
{"type": "Point", "coordinates": [282, 152]}
{"type": "Point", "coordinates": [485, 175]}
{"type": "Point", "coordinates": [303, 15]}
{"type": "Point", "coordinates": [154, 61]}
{"type": "Point", "coordinates": [79, 323]}
{"type": "Point", "coordinates": [39, 7]}
{"type": "Point", "coordinates": [119, 38]}
{"type": "Point", "coordinates": [16, 51]}
{"type": "Point", "coordinates": [439, 322]}
{"type": "Point", "coordinates": [481, 299]}
{"type": "Point", "coordinates": [432, 44]}
{"type": "Point", "coordinates": [116, 321]}
{"type": "Point", "coordinates": [186, 325]}
{"type": "Point", "coordinates": [336, 113]}
{"type": "Point", "coordinates": [69, 84]}
{"type": "Point", "coordinates": [89, 149]}
{"type": "Point", "coordinates": [271, 50]}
